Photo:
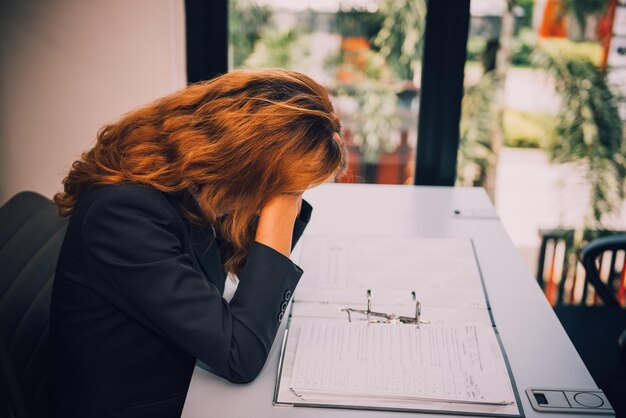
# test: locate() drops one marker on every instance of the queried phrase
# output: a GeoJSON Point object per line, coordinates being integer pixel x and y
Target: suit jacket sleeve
{"type": "Point", "coordinates": [301, 222]}
{"type": "Point", "coordinates": [133, 251]}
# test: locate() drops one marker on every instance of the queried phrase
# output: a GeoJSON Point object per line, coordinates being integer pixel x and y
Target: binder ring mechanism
{"type": "Point", "coordinates": [387, 318]}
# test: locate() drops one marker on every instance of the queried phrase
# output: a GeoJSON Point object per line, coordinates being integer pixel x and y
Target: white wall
{"type": "Point", "coordinates": [67, 67]}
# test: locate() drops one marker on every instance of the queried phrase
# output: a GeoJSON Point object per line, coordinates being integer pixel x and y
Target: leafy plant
{"type": "Point", "coordinates": [400, 38]}
{"type": "Point", "coordinates": [475, 153]}
{"type": "Point", "coordinates": [588, 131]}
{"type": "Point", "coordinates": [475, 48]}
{"type": "Point", "coordinates": [396, 31]}
{"type": "Point", "coordinates": [527, 6]}
{"type": "Point", "coordinates": [357, 22]}
{"type": "Point", "coordinates": [527, 129]}
{"type": "Point", "coordinates": [522, 48]}
{"type": "Point", "coordinates": [376, 101]}
{"type": "Point", "coordinates": [276, 49]}
{"type": "Point", "coordinates": [246, 21]}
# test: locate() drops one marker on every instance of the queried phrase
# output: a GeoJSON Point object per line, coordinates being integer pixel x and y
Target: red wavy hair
{"type": "Point", "coordinates": [237, 141]}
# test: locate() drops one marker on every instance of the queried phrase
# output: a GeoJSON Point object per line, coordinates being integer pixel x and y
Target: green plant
{"type": "Point", "coordinates": [376, 99]}
{"type": "Point", "coordinates": [275, 49]}
{"type": "Point", "coordinates": [475, 153]}
{"type": "Point", "coordinates": [527, 6]}
{"type": "Point", "coordinates": [527, 129]}
{"type": "Point", "coordinates": [246, 21]}
{"type": "Point", "coordinates": [357, 22]}
{"type": "Point", "coordinates": [567, 51]}
{"type": "Point", "coordinates": [396, 51]}
{"type": "Point", "coordinates": [475, 48]}
{"type": "Point", "coordinates": [522, 47]}
{"type": "Point", "coordinates": [376, 118]}
{"type": "Point", "coordinates": [588, 130]}
{"type": "Point", "coordinates": [400, 38]}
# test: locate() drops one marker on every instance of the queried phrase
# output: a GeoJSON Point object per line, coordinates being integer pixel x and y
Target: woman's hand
{"type": "Point", "coordinates": [276, 222]}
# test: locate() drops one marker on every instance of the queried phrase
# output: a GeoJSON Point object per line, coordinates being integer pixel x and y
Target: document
{"type": "Point", "coordinates": [443, 269]}
{"type": "Point", "coordinates": [357, 360]}
{"type": "Point", "coordinates": [454, 362]}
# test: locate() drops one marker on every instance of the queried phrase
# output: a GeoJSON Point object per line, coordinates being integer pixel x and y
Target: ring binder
{"type": "Point", "coordinates": [381, 361]}
{"type": "Point", "coordinates": [388, 318]}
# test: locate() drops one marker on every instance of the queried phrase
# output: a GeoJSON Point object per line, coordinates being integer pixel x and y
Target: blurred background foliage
{"type": "Point", "coordinates": [475, 152]}
{"type": "Point", "coordinates": [400, 38]}
{"type": "Point", "coordinates": [245, 24]}
{"type": "Point", "coordinates": [279, 49]}
{"type": "Point", "coordinates": [358, 22]}
{"type": "Point", "coordinates": [588, 130]}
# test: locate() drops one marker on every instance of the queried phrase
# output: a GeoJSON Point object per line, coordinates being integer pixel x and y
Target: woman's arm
{"type": "Point", "coordinates": [276, 222]}
{"type": "Point", "coordinates": [301, 222]}
{"type": "Point", "coordinates": [133, 251]}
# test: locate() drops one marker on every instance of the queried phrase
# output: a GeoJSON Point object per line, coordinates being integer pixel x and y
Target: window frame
{"type": "Point", "coordinates": [443, 64]}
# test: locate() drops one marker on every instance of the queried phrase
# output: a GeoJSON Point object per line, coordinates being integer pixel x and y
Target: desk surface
{"type": "Point", "coordinates": [539, 351]}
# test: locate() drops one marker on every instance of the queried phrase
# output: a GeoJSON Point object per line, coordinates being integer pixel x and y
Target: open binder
{"type": "Point", "coordinates": [389, 323]}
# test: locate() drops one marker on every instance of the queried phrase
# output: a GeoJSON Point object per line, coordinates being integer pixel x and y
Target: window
{"type": "Point", "coordinates": [366, 53]}
{"type": "Point", "coordinates": [540, 128]}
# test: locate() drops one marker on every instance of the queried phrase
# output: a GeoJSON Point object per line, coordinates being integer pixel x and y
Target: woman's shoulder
{"type": "Point", "coordinates": [123, 192]}
{"type": "Point", "coordinates": [125, 196]}
{"type": "Point", "coordinates": [126, 189]}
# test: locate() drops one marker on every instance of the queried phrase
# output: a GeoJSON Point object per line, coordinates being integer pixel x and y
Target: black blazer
{"type": "Point", "coordinates": [137, 298]}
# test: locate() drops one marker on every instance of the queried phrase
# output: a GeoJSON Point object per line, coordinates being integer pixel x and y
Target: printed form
{"type": "Point", "coordinates": [454, 363]}
{"type": "Point", "coordinates": [446, 363]}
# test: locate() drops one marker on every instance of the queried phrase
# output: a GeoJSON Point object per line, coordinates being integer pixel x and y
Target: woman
{"type": "Point", "coordinates": [173, 197]}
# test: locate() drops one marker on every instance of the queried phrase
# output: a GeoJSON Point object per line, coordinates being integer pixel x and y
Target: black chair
{"type": "Point", "coordinates": [558, 272]}
{"type": "Point", "coordinates": [612, 292]}
{"type": "Point", "coordinates": [599, 332]}
{"type": "Point", "coordinates": [31, 234]}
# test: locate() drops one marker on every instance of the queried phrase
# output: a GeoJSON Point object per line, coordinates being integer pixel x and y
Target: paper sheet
{"type": "Point", "coordinates": [444, 363]}
{"type": "Point", "coordinates": [444, 274]}
{"type": "Point", "coordinates": [336, 262]}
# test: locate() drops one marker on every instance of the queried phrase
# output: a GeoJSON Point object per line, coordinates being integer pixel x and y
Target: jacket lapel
{"type": "Point", "coordinates": [207, 254]}
{"type": "Point", "coordinates": [203, 243]}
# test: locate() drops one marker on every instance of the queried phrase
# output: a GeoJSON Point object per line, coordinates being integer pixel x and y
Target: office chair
{"type": "Point", "coordinates": [31, 234]}
{"type": "Point", "coordinates": [599, 332]}
{"type": "Point", "coordinates": [613, 292]}
{"type": "Point", "coordinates": [561, 276]}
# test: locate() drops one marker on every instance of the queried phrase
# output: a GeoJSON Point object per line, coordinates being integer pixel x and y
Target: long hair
{"type": "Point", "coordinates": [236, 141]}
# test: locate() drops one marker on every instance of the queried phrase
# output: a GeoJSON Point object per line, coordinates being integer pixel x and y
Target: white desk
{"type": "Point", "coordinates": [539, 351]}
